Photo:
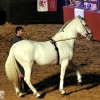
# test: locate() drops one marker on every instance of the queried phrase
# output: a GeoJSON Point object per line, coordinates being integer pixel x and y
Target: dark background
{"type": "Point", "coordinates": [25, 11]}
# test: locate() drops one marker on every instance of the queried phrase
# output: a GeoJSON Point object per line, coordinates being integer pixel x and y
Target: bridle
{"type": "Point", "coordinates": [87, 35]}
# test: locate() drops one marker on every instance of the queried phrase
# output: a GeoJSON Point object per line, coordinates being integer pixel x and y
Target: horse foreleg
{"type": "Point", "coordinates": [27, 80]}
{"type": "Point", "coordinates": [64, 64]}
{"type": "Point", "coordinates": [79, 77]}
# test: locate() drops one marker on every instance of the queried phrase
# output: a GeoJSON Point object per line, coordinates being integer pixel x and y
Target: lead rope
{"type": "Point", "coordinates": [56, 48]}
{"type": "Point", "coordinates": [66, 39]}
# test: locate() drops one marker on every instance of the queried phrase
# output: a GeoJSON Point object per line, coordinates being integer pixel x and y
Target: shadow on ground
{"type": "Point", "coordinates": [90, 79]}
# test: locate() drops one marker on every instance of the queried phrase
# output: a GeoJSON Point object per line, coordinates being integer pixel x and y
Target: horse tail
{"type": "Point", "coordinates": [10, 66]}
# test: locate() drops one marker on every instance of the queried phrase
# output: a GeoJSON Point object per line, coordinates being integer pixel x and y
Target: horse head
{"type": "Point", "coordinates": [84, 29]}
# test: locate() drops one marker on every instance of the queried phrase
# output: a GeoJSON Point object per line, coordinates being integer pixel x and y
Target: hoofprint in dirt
{"type": "Point", "coordinates": [46, 78]}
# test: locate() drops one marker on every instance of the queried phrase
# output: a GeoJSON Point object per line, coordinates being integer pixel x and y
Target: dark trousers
{"type": "Point", "coordinates": [22, 83]}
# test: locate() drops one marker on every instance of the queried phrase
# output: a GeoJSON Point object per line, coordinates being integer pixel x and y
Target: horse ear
{"type": "Point", "coordinates": [79, 16]}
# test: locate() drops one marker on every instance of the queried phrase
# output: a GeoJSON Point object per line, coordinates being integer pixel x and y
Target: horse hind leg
{"type": "Point", "coordinates": [27, 80]}
{"type": "Point", "coordinates": [17, 89]}
{"type": "Point", "coordinates": [79, 77]}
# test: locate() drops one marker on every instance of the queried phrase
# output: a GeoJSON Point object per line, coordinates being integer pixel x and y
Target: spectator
{"type": "Point", "coordinates": [79, 4]}
{"type": "Point", "coordinates": [93, 5]}
{"type": "Point", "coordinates": [74, 3]}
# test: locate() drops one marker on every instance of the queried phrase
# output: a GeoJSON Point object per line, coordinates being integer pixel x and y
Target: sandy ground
{"type": "Point", "coordinates": [46, 78]}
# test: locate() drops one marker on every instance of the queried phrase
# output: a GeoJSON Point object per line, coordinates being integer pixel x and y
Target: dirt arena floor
{"type": "Point", "coordinates": [46, 78]}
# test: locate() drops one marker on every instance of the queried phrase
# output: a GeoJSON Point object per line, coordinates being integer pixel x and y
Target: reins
{"type": "Point", "coordinates": [63, 39]}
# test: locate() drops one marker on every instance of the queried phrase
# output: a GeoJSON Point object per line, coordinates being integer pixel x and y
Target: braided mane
{"type": "Point", "coordinates": [62, 28]}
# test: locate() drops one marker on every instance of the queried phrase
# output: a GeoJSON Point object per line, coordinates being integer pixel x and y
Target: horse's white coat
{"type": "Point", "coordinates": [26, 52]}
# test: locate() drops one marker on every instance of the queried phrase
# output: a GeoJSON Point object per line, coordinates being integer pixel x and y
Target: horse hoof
{"type": "Point", "coordinates": [64, 94]}
{"type": "Point", "coordinates": [39, 97]}
{"type": "Point", "coordinates": [22, 96]}
{"type": "Point", "coordinates": [79, 84]}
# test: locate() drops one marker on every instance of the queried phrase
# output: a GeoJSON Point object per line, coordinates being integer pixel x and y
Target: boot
{"type": "Point", "coordinates": [20, 84]}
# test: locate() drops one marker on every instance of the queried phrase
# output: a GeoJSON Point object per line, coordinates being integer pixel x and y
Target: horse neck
{"type": "Point", "coordinates": [68, 30]}
{"type": "Point", "coordinates": [68, 39]}
{"type": "Point", "coordinates": [68, 33]}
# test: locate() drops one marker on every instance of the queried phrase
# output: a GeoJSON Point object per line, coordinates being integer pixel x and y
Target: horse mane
{"type": "Point", "coordinates": [62, 28]}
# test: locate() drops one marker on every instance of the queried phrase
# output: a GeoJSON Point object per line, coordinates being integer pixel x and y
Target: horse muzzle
{"type": "Point", "coordinates": [89, 36]}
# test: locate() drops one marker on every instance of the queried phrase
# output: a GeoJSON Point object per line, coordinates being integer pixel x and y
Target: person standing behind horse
{"type": "Point", "coordinates": [18, 37]}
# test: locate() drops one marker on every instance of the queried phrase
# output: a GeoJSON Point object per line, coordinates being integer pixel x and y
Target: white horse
{"type": "Point", "coordinates": [26, 52]}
